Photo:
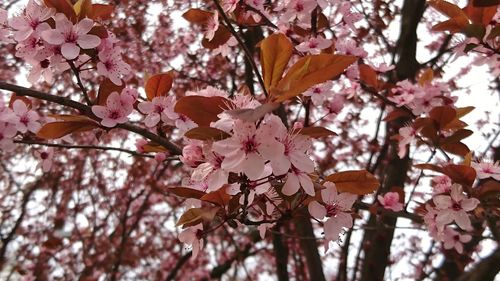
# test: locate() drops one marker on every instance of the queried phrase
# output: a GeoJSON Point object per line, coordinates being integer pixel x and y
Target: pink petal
{"type": "Point", "coordinates": [316, 210]}
{"type": "Point", "coordinates": [469, 204]}
{"type": "Point", "coordinates": [84, 26]}
{"type": "Point", "coordinates": [442, 201]}
{"type": "Point", "coordinates": [88, 41]}
{"type": "Point", "coordinates": [306, 183]}
{"type": "Point", "coordinates": [253, 166]}
{"type": "Point", "coordinates": [100, 111]}
{"type": "Point", "coordinates": [19, 107]}
{"type": "Point", "coordinates": [292, 185]}
{"type": "Point", "coordinates": [53, 37]}
{"type": "Point", "coordinates": [70, 50]}
{"type": "Point", "coordinates": [106, 122]}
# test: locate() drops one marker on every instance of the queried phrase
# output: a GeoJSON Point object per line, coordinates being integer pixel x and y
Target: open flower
{"type": "Point", "coordinates": [453, 239]}
{"type": "Point", "coordinates": [117, 108]}
{"type": "Point", "coordinates": [485, 170]}
{"type": "Point", "coordinates": [335, 207]}
{"type": "Point", "coordinates": [314, 45]}
{"type": "Point", "coordinates": [248, 149]}
{"type": "Point", "coordinates": [160, 108]}
{"type": "Point", "coordinates": [71, 37]}
{"type": "Point", "coordinates": [390, 201]}
{"type": "Point", "coordinates": [24, 119]}
{"type": "Point", "coordinates": [454, 208]}
{"type": "Point", "coordinates": [31, 22]}
{"type": "Point", "coordinates": [191, 236]}
{"type": "Point", "coordinates": [112, 65]}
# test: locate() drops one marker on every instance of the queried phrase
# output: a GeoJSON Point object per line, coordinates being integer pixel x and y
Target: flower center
{"type": "Point", "coordinates": [332, 210]}
{"type": "Point", "coordinates": [71, 37]}
{"type": "Point", "coordinates": [25, 120]}
{"type": "Point", "coordinates": [114, 114]}
{"type": "Point", "coordinates": [456, 206]}
{"type": "Point", "coordinates": [250, 146]}
{"type": "Point", "coordinates": [44, 155]}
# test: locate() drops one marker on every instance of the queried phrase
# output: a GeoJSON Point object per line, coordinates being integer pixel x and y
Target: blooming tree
{"type": "Point", "coordinates": [247, 139]}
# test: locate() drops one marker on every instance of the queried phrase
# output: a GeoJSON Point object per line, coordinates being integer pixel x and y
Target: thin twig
{"type": "Point", "coordinates": [243, 46]}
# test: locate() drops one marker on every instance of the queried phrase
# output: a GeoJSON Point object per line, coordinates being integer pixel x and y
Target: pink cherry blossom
{"type": "Point", "coordinates": [112, 65]}
{"type": "Point", "coordinates": [46, 156]}
{"type": "Point", "coordinates": [430, 218]}
{"type": "Point", "coordinates": [29, 47]}
{"type": "Point", "coordinates": [211, 171]}
{"type": "Point", "coordinates": [7, 132]}
{"type": "Point", "coordinates": [441, 184]}
{"type": "Point", "coordinates": [71, 37]}
{"type": "Point", "coordinates": [229, 5]}
{"type": "Point", "coordinates": [191, 236]}
{"type": "Point", "coordinates": [314, 45]}
{"type": "Point", "coordinates": [4, 31]}
{"type": "Point", "coordinates": [486, 170]}
{"type": "Point", "coordinates": [298, 9]}
{"type": "Point", "coordinates": [406, 136]}
{"type": "Point", "coordinates": [319, 93]}
{"type": "Point", "coordinates": [349, 47]}
{"type": "Point", "coordinates": [212, 26]}
{"type": "Point", "coordinates": [248, 149]}
{"type": "Point", "coordinates": [349, 17]}
{"type": "Point", "coordinates": [159, 109]}
{"type": "Point", "coordinates": [24, 119]}
{"type": "Point", "coordinates": [296, 179]}
{"type": "Point", "coordinates": [192, 155]}
{"type": "Point", "coordinates": [390, 201]}
{"type": "Point", "coordinates": [453, 239]}
{"type": "Point", "coordinates": [454, 207]}
{"type": "Point", "coordinates": [31, 22]}
{"type": "Point", "coordinates": [117, 108]}
{"type": "Point", "coordinates": [336, 208]}
{"type": "Point", "coordinates": [140, 144]}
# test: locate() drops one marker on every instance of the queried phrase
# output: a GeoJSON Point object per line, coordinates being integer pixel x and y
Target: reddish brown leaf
{"type": "Point", "coordinates": [62, 6]}
{"type": "Point", "coordinates": [368, 76]}
{"type": "Point", "coordinates": [102, 11]}
{"type": "Point", "coordinates": [485, 3]}
{"type": "Point", "coordinates": [426, 77]}
{"type": "Point", "coordinates": [186, 192]}
{"type": "Point", "coordinates": [206, 133]}
{"type": "Point", "coordinates": [59, 129]}
{"type": "Point", "coordinates": [316, 132]}
{"type": "Point", "coordinates": [443, 115]}
{"type": "Point", "coordinates": [194, 216]}
{"type": "Point", "coordinates": [431, 167]}
{"type": "Point", "coordinates": [158, 85]}
{"type": "Point", "coordinates": [275, 52]}
{"type": "Point", "coordinates": [83, 9]}
{"type": "Point", "coordinates": [457, 148]}
{"type": "Point", "coordinates": [447, 8]}
{"type": "Point", "coordinates": [197, 16]}
{"type": "Point", "coordinates": [309, 71]}
{"type": "Point", "coordinates": [105, 89]}
{"type": "Point", "coordinates": [457, 136]}
{"type": "Point", "coordinates": [219, 197]}
{"type": "Point", "coordinates": [202, 110]}
{"type": "Point", "coordinates": [461, 174]}
{"type": "Point", "coordinates": [357, 182]}
{"type": "Point", "coordinates": [220, 38]}
{"type": "Point", "coordinates": [453, 25]}
{"type": "Point", "coordinates": [395, 114]}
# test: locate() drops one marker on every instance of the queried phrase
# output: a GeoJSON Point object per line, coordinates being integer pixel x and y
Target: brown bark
{"type": "Point", "coordinates": [377, 241]}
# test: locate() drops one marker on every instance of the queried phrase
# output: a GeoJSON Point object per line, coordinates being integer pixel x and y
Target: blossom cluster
{"type": "Point", "coordinates": [421, 98]}
{"type": "Point", "coordinates": [18, 119]}
{"type": "Point", "coordinates": [448, 214]}
{"type": "Point", "coordinates": [51, 43]}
